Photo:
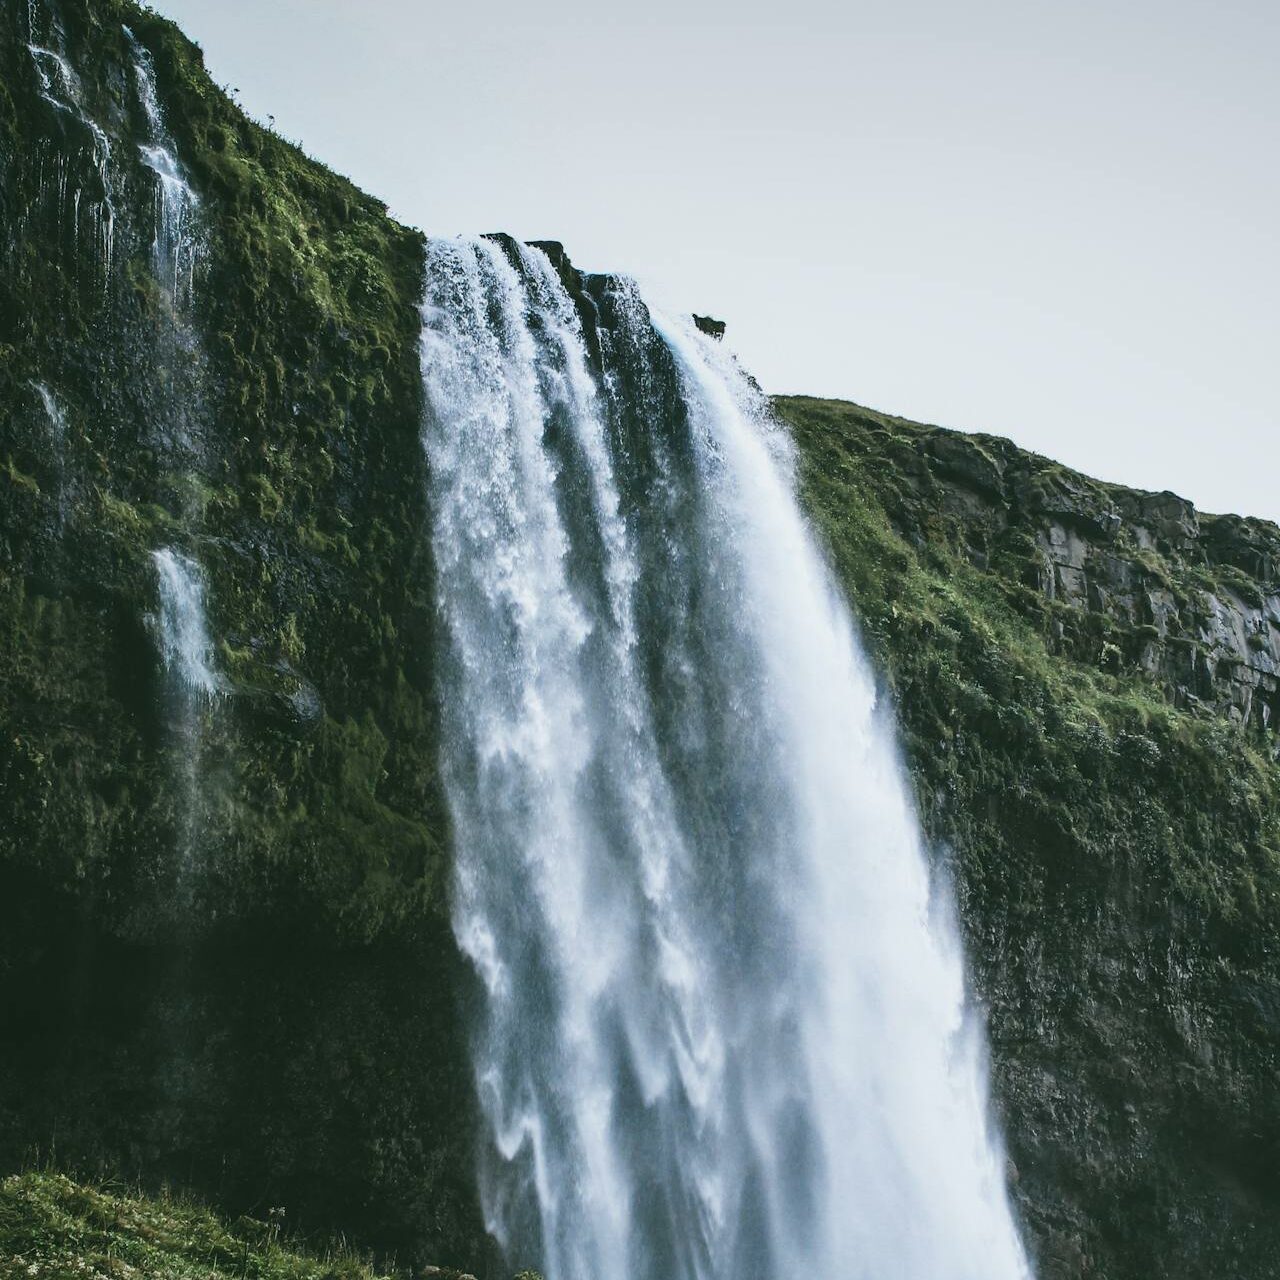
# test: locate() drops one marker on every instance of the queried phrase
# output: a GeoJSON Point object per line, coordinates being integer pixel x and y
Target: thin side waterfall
{"type": "Point", "coordinates": [174, 247]}
{"type": "Point", "coordinates": [56, 420]}
{"type": "Point", "coordinates": [194, 684]}
{"type": "Point", "coordinates": [723, 1030]}
{"type": "Point", "coordinates": [53, 411]}
{"type": "Point", "coordinates": [60, 87]}
{"type": "Point", "coordinates": [181, 626]}
{"type": "Point", "coordinates": [181, 629]}
{"type": "Point", "coordinates": [178, 410]}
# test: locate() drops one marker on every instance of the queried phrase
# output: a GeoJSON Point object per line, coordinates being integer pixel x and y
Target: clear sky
{"type": "Point", "coordinates": [1057, 221]}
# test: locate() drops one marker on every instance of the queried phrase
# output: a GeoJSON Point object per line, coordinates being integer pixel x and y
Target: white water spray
{"type": "Point", "coordinates": [181, 626]}
{"type": "Point", "coordinates": [723, 1031]}
{"type": "Point", "coordinates": [174, 246]}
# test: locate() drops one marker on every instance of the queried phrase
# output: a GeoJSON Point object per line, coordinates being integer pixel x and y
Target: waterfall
{"type": "Point", "coordinates": [60, 87]}
{"type": "Point", "coordinates": [181, 627]}
{"type": "Point", "coordinates": [182, 633]}
{"type": "Point", "coordinates": [174, 248]}
{"type": "Point", "coordinates": [723, 1026]}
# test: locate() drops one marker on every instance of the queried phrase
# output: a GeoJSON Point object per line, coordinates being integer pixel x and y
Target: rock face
{"type": "Point", "coordinates": [238, 973]}
{"type": "Point", "coordinates": [1130, 581]}
{"type": "Point", "coordinates": [712, 328]}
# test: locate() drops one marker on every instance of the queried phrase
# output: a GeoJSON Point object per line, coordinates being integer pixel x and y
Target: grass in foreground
{"type": "Point", "coordinates": [53, 1228]}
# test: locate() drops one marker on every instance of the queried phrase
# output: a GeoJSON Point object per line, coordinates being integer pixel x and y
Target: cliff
{"type": "Point", "coordinates": [250, 986]}
{"type": "Point", "coordinates": [1085, 680]}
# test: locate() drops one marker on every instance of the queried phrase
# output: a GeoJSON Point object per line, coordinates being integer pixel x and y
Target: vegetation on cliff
{"type": "Point", "coordinates": [249, 984]}
{"type": "Point", "coordinates": [1114, 838]}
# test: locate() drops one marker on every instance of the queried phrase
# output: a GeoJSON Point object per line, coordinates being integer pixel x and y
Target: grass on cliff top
{"type": "Point", "coordinates": [993, 719]}
{"type": "Point", "coordinates": [53, 1228]}
{"type": "Point", "coordinates": [913, 595]}
{"type": "Point", "coordinates": [852, 474]}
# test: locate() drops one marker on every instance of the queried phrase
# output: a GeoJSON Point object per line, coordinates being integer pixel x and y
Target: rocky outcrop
{"type": "Point", "coordinates": [1129, 581]}
{"type": "Point", "coordinates": [712, 328]}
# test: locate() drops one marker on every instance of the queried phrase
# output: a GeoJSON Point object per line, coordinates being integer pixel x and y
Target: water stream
{"type": "Point", "coordinates": [181, 629]}
{"type": "Point", "coordinates": [174, 247]}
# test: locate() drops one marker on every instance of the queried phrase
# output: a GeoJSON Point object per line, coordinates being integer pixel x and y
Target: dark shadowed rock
{"type": "Point", "coordinates": [712, 328]}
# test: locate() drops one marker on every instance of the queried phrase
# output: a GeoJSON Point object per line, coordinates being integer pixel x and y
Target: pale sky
{"type": "Point", "coordinates": [1058, 222]}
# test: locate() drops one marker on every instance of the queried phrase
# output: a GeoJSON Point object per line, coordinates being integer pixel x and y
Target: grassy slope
{"type": "Point", "coordinates": [53, 1228]}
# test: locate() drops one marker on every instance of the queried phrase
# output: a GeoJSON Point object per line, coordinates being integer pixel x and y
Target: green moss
{"type": "Point", "coordinates": [264, 497]}
{"type": "Point", "coordinates": [21, 481]}
{"type": "Point", "coordinates": [270, 428]}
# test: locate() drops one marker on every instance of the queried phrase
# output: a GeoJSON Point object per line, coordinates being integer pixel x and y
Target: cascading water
{"type": "Point", "coordinates": [60, 88]}
{"type": "Point", "coordinates": [723, 1025]}
{"type": "Point", "coordinates": [53, 412]}
{"type": "Point", "coordinates": [178, 409]}
{"type": "Point", "coordinates": [181, 627]}
{"type": "Point", "coordinates": [174, 247]}
{"type": "Point", "coordinates": [182, 632]}
{"type": "Point", "coordinates": [57, 427]}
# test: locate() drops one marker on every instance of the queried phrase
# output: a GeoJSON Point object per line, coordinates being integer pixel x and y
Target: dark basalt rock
{"type": "Point", "coordinates": [1190, 601]}
{"type": "Point", "coordinates": [248, 986]}
{"type": "Point", "coordinates": [712, 328]}
{"type": "Point", "coordinates": [555, 251]}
